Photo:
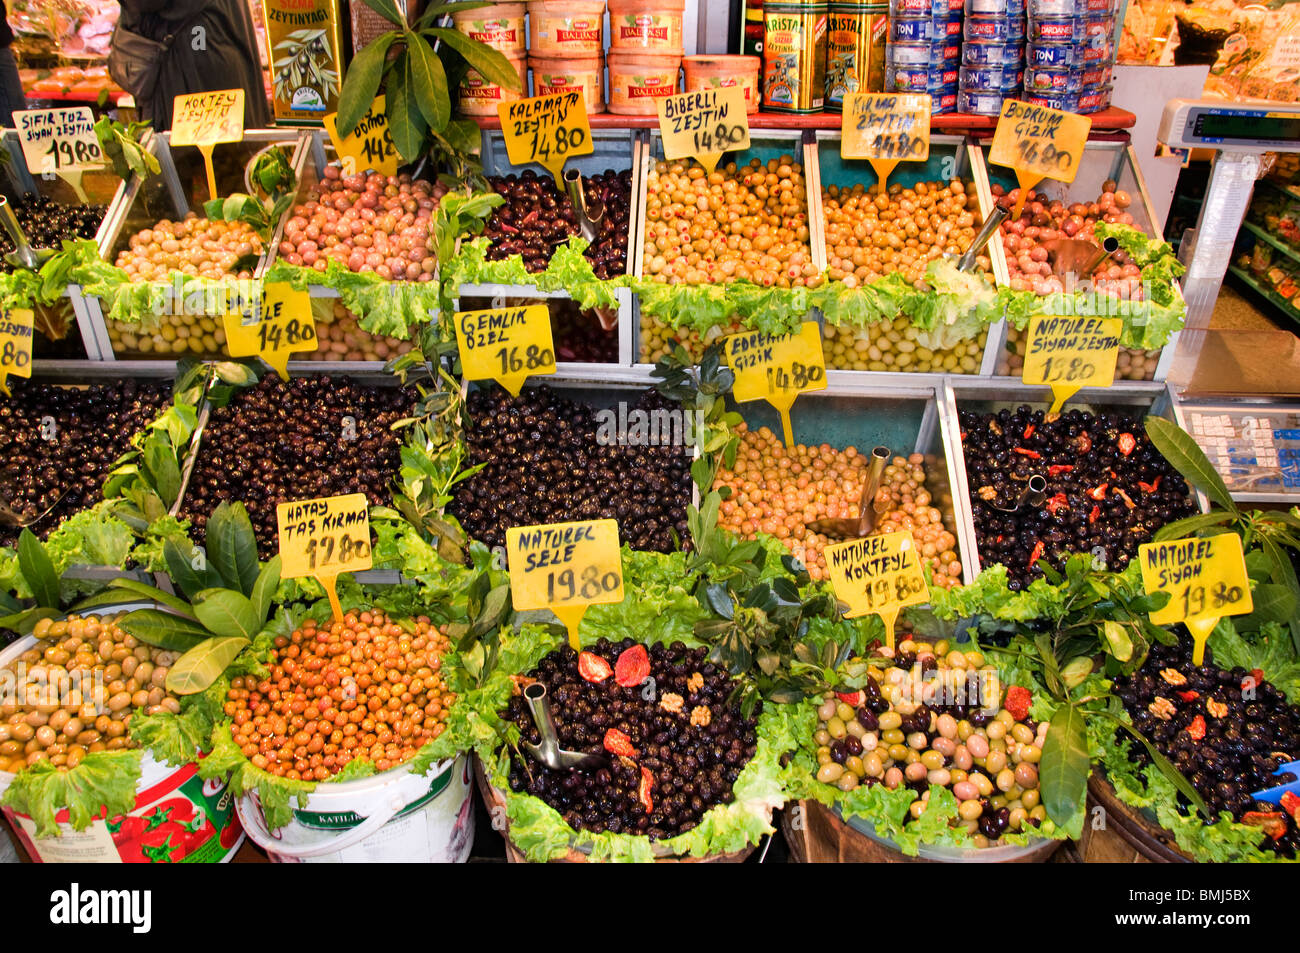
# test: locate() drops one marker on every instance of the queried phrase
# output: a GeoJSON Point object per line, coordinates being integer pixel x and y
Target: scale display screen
{"type": "Point", "coordinates": [1256, 451]}
{"type": "Point", "coordinates": [1236, 127]}
{"type": "Point", "coordinates": [1231, 127]}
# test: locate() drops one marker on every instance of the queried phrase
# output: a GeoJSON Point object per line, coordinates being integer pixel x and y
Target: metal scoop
{"type": "Point", "coordinates": [1078, 256]}
{"type": "Point", "coordinates": [866, 521]}
{"type": "Point", "coordinates": [1033, 494]}
{"type": "Point", "coordinates": [590, 214]}
{"type": "Point", "coordinates": [996, 217]}
{"type": "Point", "coordinates": [24, 256]}
{"type": "Point", "coordinates": [549, 751]}
{"type": "Point", "coordinates": [11, 517]}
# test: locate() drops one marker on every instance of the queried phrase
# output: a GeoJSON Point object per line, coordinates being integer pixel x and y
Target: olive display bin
{"type": "Point", "coordinates": [950, 158]}
{"type": "Point", "coordinates": [180, 188]}
{"type": "Point", "coordinates": [609, 334]}
{"type": "Point", "coordinates": [1102, 161]}
{"type": "Point", "coordinates": [1113, 832]}
{"type": "Point", "coordinates": [102, 187]}
{"type": "Point", "coordinates": [985, 395]}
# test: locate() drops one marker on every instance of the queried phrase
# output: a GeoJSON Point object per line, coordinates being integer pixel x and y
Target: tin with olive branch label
{"type": "Point", "coordinates": [794, 56]}
{"type": "Point", "coordinates": [855, 50]}
{"type": "Point", "coordinates": [304, 40]}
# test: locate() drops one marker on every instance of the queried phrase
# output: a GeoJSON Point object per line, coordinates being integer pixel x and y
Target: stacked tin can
{"type": "Point", "coordinates": [924, 50]}
{"type": "Point", "coordinates": [993, 55]}
{"type": "Point", "coordinates": [1070, 51]}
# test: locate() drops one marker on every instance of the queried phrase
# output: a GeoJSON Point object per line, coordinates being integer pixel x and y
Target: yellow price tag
{"type": "Point", "coordinates": [324, 537]}
{"type": "Point", "coordinates": [777, 368]}
{"type": "Point", "coordinates": [369, 146]}
{"type": "Point", "coordinates": [205, 119]}
{"type": "Point", "coordinates": [565, 567]}
{"type": "Point", "coordinates": [1038, 143]}
{"type": "Point", "coordinates": [15, 345]}
{"type": "Point", "coordinates": [507, 345]}
{"type": "Point", "coordinates": [1068, 353]}
{"type": "Point", "coordinates": [703, 124]}
{"type": "Point", "coordinates": [885, 128]}
{"type": "Point", "coordinates": [1205, 578]}
{"type": "Point", "coordinates": [546, 130]}
{"type": "Point", "coordinates": [59, 140]}
{"type": "Point", "coordinates": [278, 324]}
{"type": "Point", "coordinates": [877, 574]}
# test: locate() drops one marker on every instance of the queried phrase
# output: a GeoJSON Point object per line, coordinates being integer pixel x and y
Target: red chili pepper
{"type": "Point", "coordinates": [1150, 487]}
{"type": "Point", "coordinates": [643, 790]}
{"type": "Point", "coordinates": [1197, 728]}
{"type": "Point", "coordinates": [531, 217]}
{"type": "Point", "coordinates": [1018, 701]}
{"type": "Point", "coordinates": [999, 539]}
{"type": "Point", "coordinates": [1092, 517]}
{"type": "Point", "coordinates": [1083, 442]}
{"type": "Point", "coordinates": [1037, 554]}
{"type": "Point", "coordinates": [852, 699]}
{"type": "Point", "coordinates": [1098, 492]}
{"type": "Point", "coordinates": [1258, 674]}
{"type": "Point", "coordinates": [1059, 468]}
{"type": "Point", "coordinates": [509, 229]}
{"type": "Point", "coordinates": [1291, 804]}
{"type": "Point", "coordinates": [1031, 454]}
{"type": "Point", "coordinates": [1057, 502]}
{"type": "Point", "coordinates": [1126, 443]}
{"type": "Point", "coordinates": [619, 744]}
{"type": "Point", "coordinates": [1029, 431]}
{"type": "Point", "coordinates": [1188, 696]}
{"type": "Point", "coordinates": [592, 667]}
{"type": "Point", "coordinates": [963, 435]}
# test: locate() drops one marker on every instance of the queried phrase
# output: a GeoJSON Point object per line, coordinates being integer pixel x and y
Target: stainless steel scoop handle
{"type": "Point", "coordinates": [982, 237]}
{"type": "Point", "coordinates": [9, 221]}
{"type": "Point", "coordinates": [589, 216]}
{"type": "Point", "coordinates": [540, 708]}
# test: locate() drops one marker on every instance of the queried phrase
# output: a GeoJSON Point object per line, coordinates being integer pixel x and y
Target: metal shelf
{"type": "Point", "coordinates": [1272, 297]}
{"type": "Point", "coordinates": [1289, 250]}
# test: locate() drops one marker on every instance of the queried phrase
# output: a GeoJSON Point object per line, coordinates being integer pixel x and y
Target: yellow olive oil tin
{"type": "Point", "coordinates": [305, 52]}
{"type": "Point", "coordinates": [794, 56]}
{"type": "Point", "coordinates": [855, 51]}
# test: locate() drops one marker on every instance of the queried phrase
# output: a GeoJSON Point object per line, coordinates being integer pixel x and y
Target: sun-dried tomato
{"type": "Point", "coordinates": [1037, 554]}
{"type": "Point", "coordinates": [1126, 443]}
{"type": "Point", "coordinates": [1099, 492]}
{"type": "Point", "coordinates": [1031, 454]}
{"type": "Point", "coordinates": [1197, 728]}
{"type": "Point", "coordinates": [1058, 502]}
{"type": "Point", "coordinates": [1057, 469]}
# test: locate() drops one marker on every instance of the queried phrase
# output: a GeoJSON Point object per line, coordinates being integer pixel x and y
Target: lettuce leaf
{"type": "Point", "coordinates": [103, 781]}
{"type": "Point", "coordinates": [1271, 650]}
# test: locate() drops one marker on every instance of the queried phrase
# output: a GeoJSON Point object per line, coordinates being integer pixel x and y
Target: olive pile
{"type": "Point", "coordinates": [312, 437]}
{"type": "Point", "coordinates": [536, 218]}
{"type": "Point", "coordinates": [59, 444]}
{"type": "Point", "coordinates": [342, 338]}
{"type": "Point", "coordinates": [943, 727]}
{"type": "Point", "coordinates": [48, 224]}
{"type": "Point", "coordinates": [897, 346]}
{"type": "Point", "coordinates": [1108, 488]}
{"type": "Point", "coordinates": [1226, 730]}
{"type": "Point", "coordinates": [193, 246]}
{"type": "Point", "coordinates": [548, 459]}
{"type": "Point", "coordinates": [672, 756]}
{"type": "Point", "coordinates": [366, 687]}
{"type": "Point", "coordinates": [778, 491]}
{"type": "Point", "coordinates": [75, 691]}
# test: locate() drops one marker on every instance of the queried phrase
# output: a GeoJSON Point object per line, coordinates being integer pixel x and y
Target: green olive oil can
{"type": "Point", "coordinates": [794, 56]}
{"type": "Point", "coordinates": [305, 47]}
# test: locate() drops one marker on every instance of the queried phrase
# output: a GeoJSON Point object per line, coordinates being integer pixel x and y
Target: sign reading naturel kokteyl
{"type": "Point", "coordinates": [877, 574]}
{"type": "Point", "coordinates": [1038, 143]}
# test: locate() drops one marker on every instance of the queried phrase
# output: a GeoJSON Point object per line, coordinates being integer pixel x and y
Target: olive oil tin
{"type": "Point", "coordinates": [855, 51]}
{"type": "Point", "coordinates": [304, 41]}
{"type": "Point", "coordinates": [794, 56]}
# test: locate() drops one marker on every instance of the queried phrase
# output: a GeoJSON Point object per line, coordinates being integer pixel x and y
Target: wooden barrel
{"type": "Point", "coordinates": [1128, 836]}
{"type": "Point", "coordinates": [495, 799]}
{"type": "Point", "coordinates": [817, 835]}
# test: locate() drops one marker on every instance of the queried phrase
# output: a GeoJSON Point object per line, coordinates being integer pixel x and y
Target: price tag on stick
{"type": "Point", "coordinates": [205, 119]}
{"type": "Point", "coordinates": [507, 345]}
{"type": "Point", "coordinates": [61, 141]}
{"type": "Point", "coordinates": [1038, 143]}
{"type": "Point", "coordinates": [565, 567]}
{"type": "Point", "coordinates": [324, 537]}
{"type": "Point", "coordinates": [878, 574]}
{"type": "Point", "coordinates": [546, 130]}
{"type": "Point", "coordinates": [369, 146]}
{"type": "Point", "coordinates": [278, 324]}
{"type": "Point", "coordinates": [703, 125]}
{"type": "Point", "coordinates": [1205, 578]}
{"type": "Point", "coordinates": [885, 128]}
{"type": "Point", "coordinates": [15, 345]}
{"type": "Point", "coordinates": [1068, 353]}
{"type": "Point", "coordinates": [777, 368]}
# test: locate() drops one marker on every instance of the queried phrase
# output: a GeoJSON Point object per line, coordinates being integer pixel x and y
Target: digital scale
{"type": "Point", "coordinates": [1255, 448]}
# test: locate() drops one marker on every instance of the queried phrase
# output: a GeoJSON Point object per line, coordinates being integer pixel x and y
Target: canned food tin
{"type": "Point", "coordinates": [1052, 54]}
{"type": "Point", "coordinates": [932, 55]}
{"type": "Point", "coordinates": [794, 56]}
{"type": "Point", "coordinates": [1094, 76]}
{"type": "Point", "coordinates": [1083, 102]}
{"type": "Point", "coordinates": [943, 101]}
{"type": "Point", "coordinates": [986, 53]}
{"type": "Point", "coordinates": [997, 29]}
{"type": "Point", "coordinates": [918, 80]}
{"type": "Point", "coordinates": [924, 29]}
{"type": "Point", "coordinates": [1099, 28]}
{"type": "Point", "coordinates": [1046, 80]}
{"type": "Point", "coordinates": [1069, 8]}
{"type": "Point", "coordinates": [855, 50]}
{"type": "Point", "coordinates": [924, 8]}
{"type": "Point", "coordinates": [979, 104]}
{"type": "Point", "coordinates": [1099, 50]}
{"type": "Point", "coordinates": [1015, 8]}
{"type": "Point", "coordinates": [990, 79]}
{"type": "Point", "coordinates": [1056, 30]}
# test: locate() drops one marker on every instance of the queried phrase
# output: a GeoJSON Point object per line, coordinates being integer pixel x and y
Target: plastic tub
{"type": "Point", "coordinates": [500, 26]}
{"type": "Point", "coordinates": [635, 79]}
{"type": "Point", "coordinates": [720, 72]}
{"type": "Point", "coordinates": [478, 97]}
{"type": "Point", "coordinates": [566, 27]}
{"type": "Point", "coordinates": [393, 817]}
{"type": "Point", "coordinates": [559, 74]}
{"type": "Point", "coordinates": [652, 26]}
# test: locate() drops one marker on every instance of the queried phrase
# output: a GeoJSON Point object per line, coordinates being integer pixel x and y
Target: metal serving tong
{"type": "Point", "coordinates": [549, 751]}
{"type": "Point", "coordinates": [590, 213]}
{"type": "Point", "coordinates": [1033, 494]}
{"type": "Point", "coordinates": [996, 217]}
{"type": "Point", "coordinates": [866, 519]}
{"type": "Point", "coordinates": [1078, 256]}
{"type": "Point", "coordinates": [24, 256]}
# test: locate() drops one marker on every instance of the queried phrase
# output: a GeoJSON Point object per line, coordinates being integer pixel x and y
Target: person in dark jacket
{"type": "Point", "coordinates": [11, 86]}
{"type": "Point", "coordinates": [214, 47]}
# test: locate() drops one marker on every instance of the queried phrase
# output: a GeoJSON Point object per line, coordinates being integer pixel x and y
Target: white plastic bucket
{"type": "Point", "coordinates": [394, 817]}
{"type": "Point", "coordinates": [178, 817]}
